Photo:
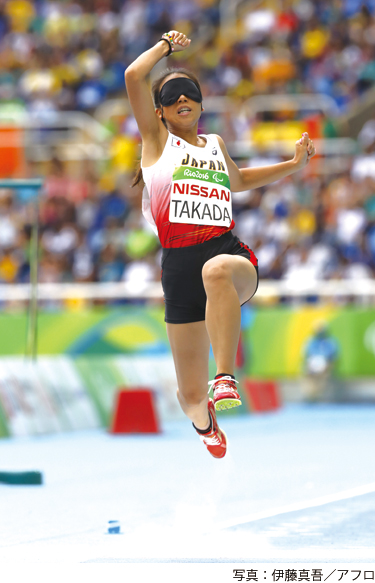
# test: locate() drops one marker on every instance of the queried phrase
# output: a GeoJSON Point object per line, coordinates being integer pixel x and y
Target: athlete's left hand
{"type": "Point", "coordinates": [181, 42]}
{"type": "Point", "coordinates": [305, 150]}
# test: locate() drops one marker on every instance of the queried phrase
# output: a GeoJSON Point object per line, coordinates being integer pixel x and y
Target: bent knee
{"type": "Point", "coordinates": [217, 269]}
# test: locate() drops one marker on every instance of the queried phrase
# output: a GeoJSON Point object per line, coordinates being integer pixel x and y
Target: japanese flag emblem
{"type": "Point", "coordinates": [177, 143]}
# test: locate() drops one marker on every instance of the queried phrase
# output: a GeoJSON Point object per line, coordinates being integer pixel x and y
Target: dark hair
{"type": "Point", "coordinates": [155, 90]}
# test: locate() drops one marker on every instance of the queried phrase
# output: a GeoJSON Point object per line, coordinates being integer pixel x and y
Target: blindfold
{"type": "Point", "coordinates": [174, 88]}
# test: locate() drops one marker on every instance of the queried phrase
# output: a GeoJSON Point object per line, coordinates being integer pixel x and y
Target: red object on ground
{"type": "Point", "coordinates": [135, 412]}
{"type": "Point", "coordinates": [262, 395]}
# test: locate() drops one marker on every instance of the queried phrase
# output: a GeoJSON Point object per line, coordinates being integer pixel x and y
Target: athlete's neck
{"type": "Point", "coordinates": [189, 135]}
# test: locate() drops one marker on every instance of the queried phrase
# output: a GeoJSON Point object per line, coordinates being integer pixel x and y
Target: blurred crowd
{"type": "Point", "coordinates": [87, 230]}
{"type": "Point", "coordinates": [71, 55]}
{"type": "Point", "coordinates": [304, 228]}
{"type": "Point", "coordinates": [310, 227]}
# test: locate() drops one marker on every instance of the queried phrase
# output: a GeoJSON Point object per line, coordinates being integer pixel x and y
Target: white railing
{"type": "Point", "coordinates": [87, 291]}
{"type": "Point", "coordinates": [79, 135]}
{"type": "Point", "coordinates": [292, 102]}
{"type": "Point", "coordinates": [333, 147]}
{"type": "Point", "coordinates": [76, 134]}
{"type": "Point", "coordinates": [323, 289]}
{"type": "Point", "coordinates": [63, 120]}
{"type": "Point", "coordinates": [153, 291]}
{"type": "Point", "coordinates": [223, 104]}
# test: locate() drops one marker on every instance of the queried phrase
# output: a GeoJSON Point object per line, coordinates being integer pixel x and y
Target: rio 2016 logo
{"type": "Point", "coordinates": [196, 174]}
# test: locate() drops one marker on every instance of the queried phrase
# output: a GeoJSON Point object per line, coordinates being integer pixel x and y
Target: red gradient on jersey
{"type": "Point", "coordinates": [184, 235]}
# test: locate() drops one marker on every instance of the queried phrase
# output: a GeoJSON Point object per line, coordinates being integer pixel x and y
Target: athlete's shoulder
{"type": "Point", "coordinates": [219, 139]}
{"type": "Point", "coordinates": [221, 143]}
{"type": "Point", "coordinates": [210, 137]}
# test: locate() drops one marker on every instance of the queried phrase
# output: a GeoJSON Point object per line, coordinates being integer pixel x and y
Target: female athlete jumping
{"type": "Point", "coordinates": [207, 273]}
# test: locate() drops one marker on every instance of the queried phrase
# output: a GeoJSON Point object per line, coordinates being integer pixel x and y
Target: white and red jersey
{"type": "Point", "coordinates": [187, 196]}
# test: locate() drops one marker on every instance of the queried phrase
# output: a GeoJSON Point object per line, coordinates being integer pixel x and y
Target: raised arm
{"type": "Point", "coordinates": [248, 178]}
{"type": "Point", "coordinates": [153, 132]}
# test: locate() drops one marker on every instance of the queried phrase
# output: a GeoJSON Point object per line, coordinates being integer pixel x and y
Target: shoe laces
{"type": "Point", "coordinates": [226, 381]}
{"type": "Point", "coordinates": [211, 439]}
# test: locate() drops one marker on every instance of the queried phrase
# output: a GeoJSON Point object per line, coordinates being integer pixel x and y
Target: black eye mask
{"type": "Point", "coordinates": [174, 88]}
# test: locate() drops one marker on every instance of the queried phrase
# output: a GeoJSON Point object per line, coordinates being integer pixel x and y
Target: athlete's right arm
{"type": "Point", "coordinates": [149, 124]}
{"type": "Point", "coordinates": [154, 133]}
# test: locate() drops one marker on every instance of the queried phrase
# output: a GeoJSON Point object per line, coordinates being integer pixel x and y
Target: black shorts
{"type": "Point", "coordinates": [181, 276]}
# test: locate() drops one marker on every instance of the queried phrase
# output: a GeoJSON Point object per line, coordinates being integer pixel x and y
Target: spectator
{"type": "Point", "coordinates": [320, 355]}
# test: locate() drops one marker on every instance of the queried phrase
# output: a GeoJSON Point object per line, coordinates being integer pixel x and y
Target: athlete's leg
{"type": "Point", "coordinates": [190, 346]}
{"type": "Point", "coordinates": [229, 281]}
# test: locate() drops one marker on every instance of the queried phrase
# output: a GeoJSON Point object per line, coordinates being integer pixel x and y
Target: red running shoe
{"type": "Point", "coordinates": [216, 440]}
{"type": "Point", "coordinates": [225, 393]}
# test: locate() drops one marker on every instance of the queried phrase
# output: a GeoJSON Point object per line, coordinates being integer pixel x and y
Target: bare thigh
{"type": "Point", "coordinates": [236, 268]}
{"type": "Point", "coordinates": [190, 346]}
